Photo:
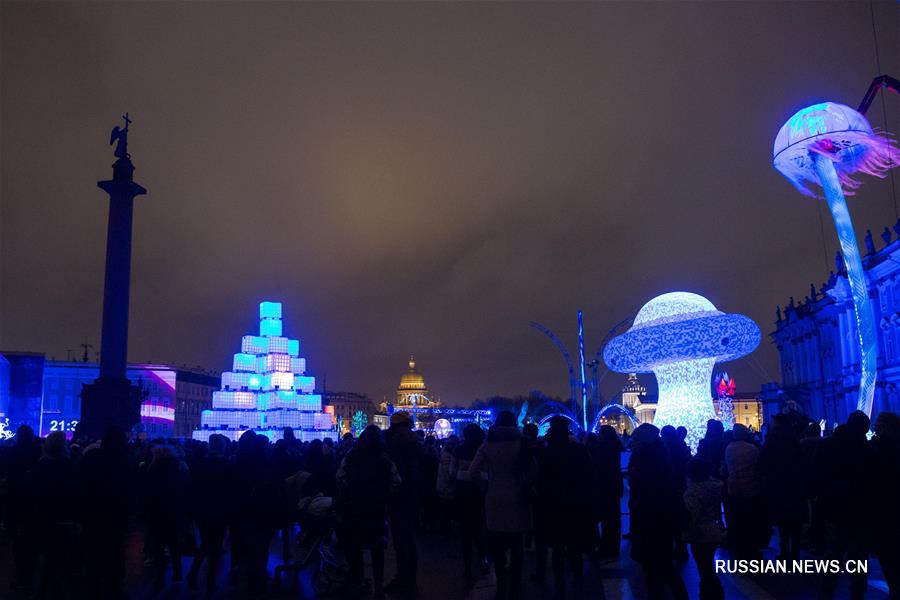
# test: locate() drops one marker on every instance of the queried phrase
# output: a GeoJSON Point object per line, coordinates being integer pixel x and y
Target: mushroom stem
{"type": "Point", "coordinates": [865, 320]}
{"type": "Point", "coordinates": [685, 397]}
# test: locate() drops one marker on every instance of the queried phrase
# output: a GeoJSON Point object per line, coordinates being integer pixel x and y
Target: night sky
{"type": "Point", "coordinates": [420, 178]}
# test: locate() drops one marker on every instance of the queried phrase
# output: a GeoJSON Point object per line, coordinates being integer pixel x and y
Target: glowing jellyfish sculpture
{"type": "Point", "coordinates": [443, 429]}
{"type": "Point", "coordinates": [825, 145]}
{"type": "Point", "coordinates": [679, 337]}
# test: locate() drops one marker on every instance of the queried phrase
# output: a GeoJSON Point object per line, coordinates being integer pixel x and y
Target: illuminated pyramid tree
{"type": "Point", "coordinates": [267, 389]}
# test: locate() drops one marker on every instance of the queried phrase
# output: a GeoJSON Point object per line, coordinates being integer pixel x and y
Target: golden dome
{"type": "Point", "coordinates": [412, 379]}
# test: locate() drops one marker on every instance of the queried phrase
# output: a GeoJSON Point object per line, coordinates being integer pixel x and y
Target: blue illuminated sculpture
{"type": "Point", "coordinates": [825, 145]}
{"type": "Point", "coordinates": [679, 337]}
{"type": "Point", "coordinates": [266, 390]}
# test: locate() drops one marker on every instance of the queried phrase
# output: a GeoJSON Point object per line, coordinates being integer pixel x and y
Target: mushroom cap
{"type": "Point", "coordinates": [834, 130]}
{"type": "Point", "coordinates": [680, 326]}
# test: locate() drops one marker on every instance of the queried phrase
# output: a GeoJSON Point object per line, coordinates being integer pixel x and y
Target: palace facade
{"type": "Point", "coordinates": [816, 339]}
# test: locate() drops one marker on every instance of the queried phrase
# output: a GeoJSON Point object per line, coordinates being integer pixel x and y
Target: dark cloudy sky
{"type": "Point", "coordinates": [421, 178]}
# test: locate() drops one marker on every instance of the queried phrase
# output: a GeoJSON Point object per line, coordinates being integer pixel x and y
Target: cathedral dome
{"type": "Point", "coordinates": [412, 379]}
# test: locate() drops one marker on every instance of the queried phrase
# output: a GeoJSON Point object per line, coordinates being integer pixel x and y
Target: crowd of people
{"type": "Point", "coordinates": [497, 493]}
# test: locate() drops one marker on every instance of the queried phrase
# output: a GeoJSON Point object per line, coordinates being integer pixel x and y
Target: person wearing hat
{"type": "Point", "coordinates": [405, 450]}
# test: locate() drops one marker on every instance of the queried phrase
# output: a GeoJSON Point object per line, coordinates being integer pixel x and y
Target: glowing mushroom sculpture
{"type": "Point", "coordinates": [825, 145]}
{"type": "Point", "coordinates": [679, 337]}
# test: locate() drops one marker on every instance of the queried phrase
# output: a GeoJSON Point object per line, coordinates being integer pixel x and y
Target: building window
{"type": "Point", "coordinates": [889, 344]}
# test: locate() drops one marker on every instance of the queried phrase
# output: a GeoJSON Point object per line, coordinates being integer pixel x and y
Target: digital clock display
{"type": "Point", "coordinates": [56, 423]}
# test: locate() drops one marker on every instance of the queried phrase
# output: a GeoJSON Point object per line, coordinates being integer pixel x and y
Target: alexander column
{"type": "Point", "coordinates": [112, 399]}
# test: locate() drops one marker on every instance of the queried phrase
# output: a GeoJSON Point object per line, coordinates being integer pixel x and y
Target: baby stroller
{"type": "Point", "coordinates": [332, 577]}
{"type": "Point", "coordinates": [315, 516]}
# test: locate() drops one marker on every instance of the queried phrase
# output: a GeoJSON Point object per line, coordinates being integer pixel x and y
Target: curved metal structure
{"type": "Point", "coordinates": [595, 424]}
{"type": "Point", "coordinates": [544, 423]}
{"type": "Point", "coordinates": [573, 381]}
{"type": "Point", "coordinates": [598, 357]}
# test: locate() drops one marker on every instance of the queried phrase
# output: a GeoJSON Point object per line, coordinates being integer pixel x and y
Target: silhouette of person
{"type": "Point", "coordinates": [510, 469]}
{"type": "Point", "coordinates": [106, 483]}
{"type": "Point", "coordinates": [211, 497]}
{"type": "Point", "coordinates": [564, 468]}
{"type": "Point", "coordinates": [845, 478]}
{"type": "Point", "coordinates": [469, 501]}
{"type": "Point", "coordinates": [703, 501]}
{"type": "Point", "coordinates": [783, 484]}
{"type": "Point", "coordinates": [166, 499]}
{"type": "Point", "coordinates": [886, 497]}
{"type": "Point", "coordinates": [609, 485]}
{"type": "Point", "coordinates": [405, 450]}
{"type": "Point", "coordinates": [366, 478]}
{"type": "Point", "coordinates": [657, 513]}
{"type": "Point", "coordinates": [50, 486]}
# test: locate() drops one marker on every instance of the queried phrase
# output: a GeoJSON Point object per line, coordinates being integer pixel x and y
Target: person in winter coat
{"type": "Point", "coordinates": [469, 501]}
{"type": "Point", "coordinates": [845, 478]}
{"type": "Point", "coordinates": [445, 484]}
{"type": "Point", "coordinates": [256, 492]}
{"type": "Point", "coordinates": [703, 501]}
{"type": "Point", "coordinates": [608, 487]}
{"type": "Point", "coordinates": [886, 497]}
{"type": "Point", "coordinates": [510, 469]}
{"type": "Point", "coordinates": [679, 456]}
{"type": "Point", "coordinates": [211, 494]}
{"type": "Point", "coordinates": [20, 515]}
{"type": "Point", "coordinates": [167, 501]}
{"type": "Point", "coordinates": [405, 449]}
{"type": "Point", "coordinates": [366, 478]}
{"type": "Point", "coordinates": [746, 518]}
{"type": "Point", "coordinates": [656, 513]}
{"type": "Point", "coordinates": [712, 447]}
{"type": "Point", "coordinates": [781, 465]}
{"type": "Point", "coordinates": [564, 467]}
{"type": "Point", "coordinates": [51, 482]}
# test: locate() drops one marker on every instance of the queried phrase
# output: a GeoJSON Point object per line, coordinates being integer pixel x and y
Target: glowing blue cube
{"type": "Point", "coordinates": [251, 344]}
{"type": "Point", "coordinates": [244, 362]}
{"type": "Point", "coordinates": [270, 327]}
{"type": "Point", "coordinates": [270, 310]}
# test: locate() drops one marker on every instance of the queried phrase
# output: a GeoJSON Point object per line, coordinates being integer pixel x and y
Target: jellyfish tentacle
{"type": "Point", "coordinates": [865, 320]}
{"type": "Point", "coordinates": [869, 153]}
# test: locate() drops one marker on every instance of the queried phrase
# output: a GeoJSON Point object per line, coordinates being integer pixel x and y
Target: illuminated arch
{"type": "Point", "coordinates": [544, 424]}
{"type": "Point", "coordinates": [595, 426]}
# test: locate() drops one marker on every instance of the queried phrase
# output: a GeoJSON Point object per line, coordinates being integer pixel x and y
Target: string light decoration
{"type": "Point", "coordinates": [267, 389]}
{"type": "Point", "coordinates": [824, 145]}
{"type": "Point", "coordinates": [679, 337]}
{"type": "Point", "coordinates": [5, 433]}
{"type": "Point", "coordinates": [725, 391]}
{"type": "Point", "coordinates": [360, 421]}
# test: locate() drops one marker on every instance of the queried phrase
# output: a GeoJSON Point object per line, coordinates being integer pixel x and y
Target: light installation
{"type": "Point", "coordinates": [825, 145]}
{"type": "Point", "coordinates": [5, 433]}
{"type": "Point", "coordinates": [581, 390]}
{"type": "Point", "coordinates": [544, 424]}
{"type": "Point", "coordinates": [359, 422]}
{"type": "Point", "coordinates": [725, 391]}
{"type": "Point", "coordinates": [612, 411]}
{"type": "Point", "coordinates": [679, 337]}
{"type": "Point", "coordinates": [267, 389]}
{"type": "Point", "coordinates": [584, 407]}
{"type": "Point", "coordinates": [443, 429]}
